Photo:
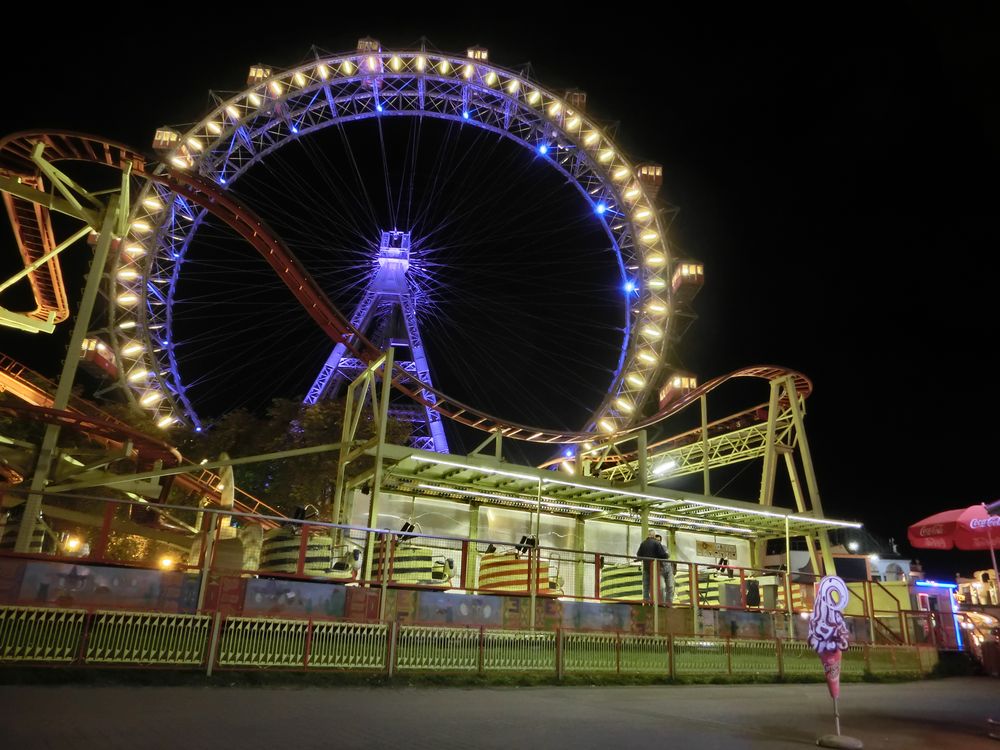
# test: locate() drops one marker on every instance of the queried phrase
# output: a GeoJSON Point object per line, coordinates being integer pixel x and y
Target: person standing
{"type": "Point", "coordinates": [667, 571]}
{"type": "Point", "coordinates": [649, 550]}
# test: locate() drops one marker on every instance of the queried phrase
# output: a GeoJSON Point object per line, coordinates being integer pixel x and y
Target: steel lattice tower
{"type": "Point", "coordinates": [387, 316]}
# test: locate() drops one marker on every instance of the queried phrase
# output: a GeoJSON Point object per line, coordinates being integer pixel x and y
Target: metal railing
{"type": "Point", "coordinates": [193, 547]}
{"type": "Point", "coordinates": [40, 634]}
{"type": "Point", "coordinates": [103, 638]}
{"type": "Point", "coordinates": [519, 651]}
{"type": "Point", "coordinates": [147, 638]}
{"type": "Point", "coordinates": [200, 539]}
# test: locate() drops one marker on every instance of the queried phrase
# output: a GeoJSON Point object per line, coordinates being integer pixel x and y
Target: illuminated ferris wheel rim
{"type": "Point", "coordinates": [280, 106]}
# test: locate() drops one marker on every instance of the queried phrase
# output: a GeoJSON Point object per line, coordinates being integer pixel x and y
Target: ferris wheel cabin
{"type": "Point", "coordinates": [688, 279]}
{"type": "Point", "coordinates": [98, 359]}
{"type": "Point", "coordinates": [258, 74]}
{"type": "Point", "coordinates": [650, 174]}
{"type": "Point", "coordinates": [167, 142]}
{"type": "Point", "coordinates": [679, 384]}
{"type": "Point", "coordinates": [577, 100]}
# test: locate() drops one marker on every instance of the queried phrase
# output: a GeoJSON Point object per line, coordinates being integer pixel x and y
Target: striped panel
{"type": "Point", "coordinates": [507, 572]}
{"type": "Point", "coordinates": [348, 645]}
{"type": "Point", "coordinates": [519, 650]}
{"type": "Point", "coordinates": [409, 564]}
{"type": "Point", "coordinates": [257, 642]}
{"type": "Point", "coordinates": [446, 649]}
{"type": "Point", "coordinates": [146, 638]}
{"type": "Point", "coordinates": [8, 537]}
{"type": "Point", "coordinates": [280, 553]}
{"type": "Point", "coordinates": [682, 585]}
{"type": "Point", "coordinates": [40, 633]}
{"type": "Point", "coordinates": [708, 589]}
{"type": "Point", "coordinates": [798, 596]}
{"type": "Point", "coordinates": [622, 582]}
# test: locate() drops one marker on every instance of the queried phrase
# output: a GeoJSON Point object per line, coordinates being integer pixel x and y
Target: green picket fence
{"type": "Point", "coordinates": [40, 634]}
{"type": "Point", "coordinates": [73, 636]}
{"type": "Point", "coordinates": [147, 638]}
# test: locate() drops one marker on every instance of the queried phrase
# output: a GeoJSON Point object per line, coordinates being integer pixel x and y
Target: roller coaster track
{"type": "Point", "coordinates": [33, 232]}
{"type": "Point", "coordinates": [15, 159]}
{"type": "Point", "coordinates": [738, 437]}
{"type": "Point", "coordinates": [107, 430]}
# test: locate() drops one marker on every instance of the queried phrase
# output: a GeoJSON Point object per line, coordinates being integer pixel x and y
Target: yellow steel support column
{"type": "Point", "coordinates": [641, 454]}
{"type": "Point", "coordinates": [535, 555]}
{"type": "Point", "coordinates": [770, 459]}
{"type": "Point", "coordinates": [800, 505]}
{"type": "Point", "coordinates": [388, 551]}
{"type": "Point", "coordinates": [380, 406]}
{"type": "Point", "coordinates": [788, 577]}
{"type": "Point", "coordinates": [347, 434]}
{"type": "Point", "coordinates": [208, 544]}
{"type": "Point", "coordinates": [580, 544]}
{"type": "Point", "coordinates": [706, 484]}
{"type": "Point", "coordinates": [469, 573]}
{"type": "Point", "coordinates": [693, 589]}
{"type": "Point", "coordinates": [807, 466]}
{"type": "Point", "coordinates": [770, 448]}
{"type": "Point", "coordinates": [47, 451]}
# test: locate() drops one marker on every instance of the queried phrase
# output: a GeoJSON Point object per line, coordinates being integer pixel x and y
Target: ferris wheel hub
{"type": "Point", "coordinates": [394, 250]}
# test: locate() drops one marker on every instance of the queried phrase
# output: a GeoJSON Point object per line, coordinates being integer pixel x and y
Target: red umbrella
{"type": "Point", "coordinates": [971, 528]}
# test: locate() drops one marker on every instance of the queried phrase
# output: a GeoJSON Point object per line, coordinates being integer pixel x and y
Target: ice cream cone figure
{"type": "Point", "coordinates": [831, 666]}
{"type": "Point", "coordinates": [828, 637]}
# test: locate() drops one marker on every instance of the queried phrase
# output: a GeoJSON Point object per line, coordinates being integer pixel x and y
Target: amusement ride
{"type": "Point", "coordinates": [144, 236]}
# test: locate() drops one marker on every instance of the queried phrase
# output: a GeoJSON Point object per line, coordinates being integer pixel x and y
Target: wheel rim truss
{"type": "Point", "coordinates": [355, 86]}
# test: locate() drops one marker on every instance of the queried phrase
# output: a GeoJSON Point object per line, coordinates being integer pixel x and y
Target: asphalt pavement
{"type": "Point", "coordinates": [938, 714]}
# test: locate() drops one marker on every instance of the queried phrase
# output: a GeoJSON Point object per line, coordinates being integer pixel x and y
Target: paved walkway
{"type": "Point", "coordinates": [938, 714]}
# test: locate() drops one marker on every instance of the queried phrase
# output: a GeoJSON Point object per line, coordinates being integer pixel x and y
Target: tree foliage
{"type": "Point", "coordinates": [286, 425]}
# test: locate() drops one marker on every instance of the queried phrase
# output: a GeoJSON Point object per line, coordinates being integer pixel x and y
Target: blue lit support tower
{"type": "Point", "coordinates": [387, 315]}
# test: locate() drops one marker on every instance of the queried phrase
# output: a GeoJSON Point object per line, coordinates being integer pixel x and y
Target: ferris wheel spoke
{"type": "Point", "coordinates": [359, 179]}
{"type": "Point", "coordinates": [324, 213]}
{"type": "Point", "coordinates": [516, 269]}
{"type": "Point", "coordinates": [385, 172]}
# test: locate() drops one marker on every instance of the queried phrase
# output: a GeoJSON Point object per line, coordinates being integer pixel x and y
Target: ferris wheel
{"type": "Point", "coordinates": [342, 94]}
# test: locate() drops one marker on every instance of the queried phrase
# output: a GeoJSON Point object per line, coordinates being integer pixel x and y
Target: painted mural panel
{"type": "Point", "coordinates": [439, 608]}
{"type": "Point", "coordinates": [278, 597]}
{"type": "Point", "coordinates": [74, 585]}
{"type": "Point", "coordinates": [596, 616]}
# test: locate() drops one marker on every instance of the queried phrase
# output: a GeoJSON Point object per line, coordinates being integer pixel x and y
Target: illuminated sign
{"type": "Point", "coordinates": [716, 550]}
{"type": "Point", "coordinates": [937, 585]}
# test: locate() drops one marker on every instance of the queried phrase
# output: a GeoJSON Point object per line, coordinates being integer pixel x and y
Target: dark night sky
{"type": "Point", "coordinates": [835, 172]}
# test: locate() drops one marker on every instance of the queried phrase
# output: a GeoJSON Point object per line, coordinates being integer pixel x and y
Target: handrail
{"type": "Point", "coordinates": [887, 632]}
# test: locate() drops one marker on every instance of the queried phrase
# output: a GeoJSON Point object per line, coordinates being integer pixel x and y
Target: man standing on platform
{"type": "Point", "coordinates": [667, 571]}
{"type": "Point", "coordinates": [649, 550]}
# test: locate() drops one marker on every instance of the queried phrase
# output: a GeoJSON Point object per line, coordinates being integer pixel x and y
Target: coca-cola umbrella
{"type": "Point", "coordinates": [972, 528]}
